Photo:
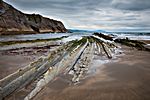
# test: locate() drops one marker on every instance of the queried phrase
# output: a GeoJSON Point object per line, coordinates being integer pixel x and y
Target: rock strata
{"type": "Point", "coordinates": [13, 21]}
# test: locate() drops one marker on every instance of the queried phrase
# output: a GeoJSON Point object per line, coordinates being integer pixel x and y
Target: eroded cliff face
{"type": "Point", "coordinates": [13, 21]}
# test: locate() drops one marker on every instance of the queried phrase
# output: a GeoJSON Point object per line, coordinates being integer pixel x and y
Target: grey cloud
{"type": "Point", "coordinates": [134, 5]}
{"type": "Point", "coordinates": [94, 14]}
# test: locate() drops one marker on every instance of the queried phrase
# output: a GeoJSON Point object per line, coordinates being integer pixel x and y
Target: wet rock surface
{"type": "Point", "coordinates": [133, 43]}
{"type": "Point", "coordinates": [72, 59]}
{"type": "Point", "coordinates": [75, 55]}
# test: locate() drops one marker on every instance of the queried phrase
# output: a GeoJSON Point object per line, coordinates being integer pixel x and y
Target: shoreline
{"type": "Point", "coordinates": [101, 73]}
{"type": "Point", "coordinates": [114, 80]}
{"type": "Point", "coordinates": [30, 41]}
{"type": "Point", "coordinates": [25, 33]}
{"type": "Point", "coordinates": [23, 57]}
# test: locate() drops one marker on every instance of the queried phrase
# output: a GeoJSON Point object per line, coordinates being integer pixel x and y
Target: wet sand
{"type": "Point", "coordinates": [126, 79]}
{"type": "Point", "coordinates": [14, 59]}
{"type": "Point", "coordinates": [11, 63]}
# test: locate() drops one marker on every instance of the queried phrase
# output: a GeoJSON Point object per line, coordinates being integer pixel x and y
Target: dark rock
{"type": "Point", "coordinates": [132, 43]}
{"type": "Point", "coordinates": [106, 37]}
{"type": "Point", "coordinates": [13, 21]}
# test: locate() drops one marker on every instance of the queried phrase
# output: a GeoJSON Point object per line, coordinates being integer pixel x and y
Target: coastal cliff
{"type": "Point", "coordinates": [13, 21]}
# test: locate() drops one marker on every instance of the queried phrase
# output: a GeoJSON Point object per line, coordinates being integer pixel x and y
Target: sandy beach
{"type": "Point", "coordinates": [126, 79]}
{"type": "Point", "coordinates": [15, 59]}
{"type": "Point", "coordinates": [74, 50]}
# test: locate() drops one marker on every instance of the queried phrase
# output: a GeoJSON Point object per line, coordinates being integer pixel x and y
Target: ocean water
{"type": "Point", "coordinates": [132, 36]}
{"type": "Point", "coordinates": [32, 36]}
{"type": "Point", "coordinates": [73, 36]}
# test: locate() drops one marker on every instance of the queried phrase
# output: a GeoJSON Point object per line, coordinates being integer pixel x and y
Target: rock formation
{"type": "Point", "coordinates": [13, 21]}
{"type": "Point", "coordinates": [106, 37]}
{"type": "Point", "coordinates": [73, 57]}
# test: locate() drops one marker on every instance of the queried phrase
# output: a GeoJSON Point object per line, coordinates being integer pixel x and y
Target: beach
{"type": "Point", "coordinates": [125, 77]}
{"type": "Point", "coordinates": [74, 50]}
{"type": "Point", "coordinates": [14, 59]}
{"type": "Point", "coordinates": [108, 70]}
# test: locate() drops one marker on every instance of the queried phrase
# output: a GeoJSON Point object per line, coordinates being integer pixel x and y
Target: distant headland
{"type": "Point", "coordinates": [13, 21]}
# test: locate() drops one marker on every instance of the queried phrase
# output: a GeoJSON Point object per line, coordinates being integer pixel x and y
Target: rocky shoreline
{"type": "Point", "coordinates": [73, 59]}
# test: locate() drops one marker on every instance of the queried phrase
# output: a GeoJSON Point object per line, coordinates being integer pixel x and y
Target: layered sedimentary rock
{"type": "Point", "coordinates": [74, 58]}
{"type": "Point", "coordinates": [13, 21]}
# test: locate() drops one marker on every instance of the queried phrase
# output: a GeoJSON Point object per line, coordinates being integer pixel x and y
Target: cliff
{"type": "Point", "coordinates": [13, 21]}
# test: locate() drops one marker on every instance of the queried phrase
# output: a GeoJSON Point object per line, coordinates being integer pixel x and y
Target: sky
{"type": "Point", "coordinates": [109, 15]}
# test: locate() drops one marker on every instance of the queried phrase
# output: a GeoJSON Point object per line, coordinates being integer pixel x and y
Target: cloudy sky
{"type": "Point", "coordinates": [110, 15]}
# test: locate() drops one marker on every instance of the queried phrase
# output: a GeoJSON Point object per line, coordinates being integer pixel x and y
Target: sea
{"type": "Point", "coordinates": [75, 35]}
